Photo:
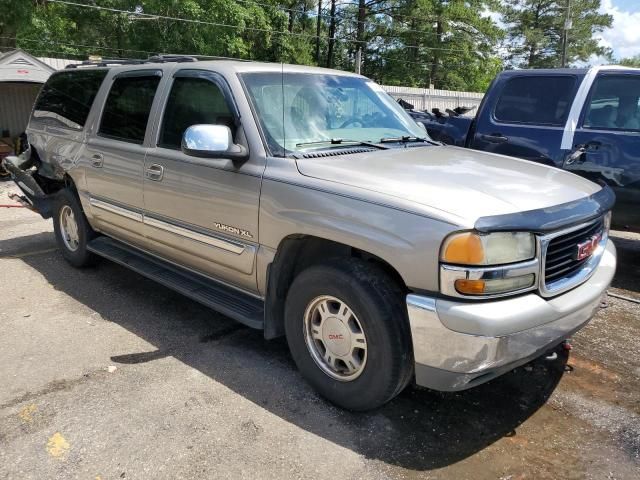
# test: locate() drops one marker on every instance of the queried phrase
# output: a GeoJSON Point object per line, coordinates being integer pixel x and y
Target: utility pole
{"type": "Point", "coordinates": [565, 34]}
{"type": "Point", "coordinates": [318, 31]}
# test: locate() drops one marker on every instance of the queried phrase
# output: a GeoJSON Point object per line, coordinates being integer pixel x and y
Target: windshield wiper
{"type": "Point", "coordinates": [407, 139]}
{"type": "Point", "coordinates": [340, 141]}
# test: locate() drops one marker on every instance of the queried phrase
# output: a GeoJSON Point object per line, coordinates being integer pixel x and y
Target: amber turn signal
{"type": "Point", "coordinates": [464, 248]}
{"type": "Point", "coordinates": [470, 287]}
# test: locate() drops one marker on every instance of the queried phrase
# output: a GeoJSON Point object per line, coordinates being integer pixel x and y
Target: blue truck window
{"type": "Point", "coordinates": [614, 103]}
{"type": "Point", "coordinates": [536, 100]}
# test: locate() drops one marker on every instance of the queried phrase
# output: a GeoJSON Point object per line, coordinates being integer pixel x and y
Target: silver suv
{"type": "Point", "coordinates": [305, 202]}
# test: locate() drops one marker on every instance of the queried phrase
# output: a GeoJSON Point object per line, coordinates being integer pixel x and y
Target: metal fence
{"type": "Point", "coordinates": [428, 98]}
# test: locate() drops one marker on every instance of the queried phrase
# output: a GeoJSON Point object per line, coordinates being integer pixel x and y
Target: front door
{"type": "Point", "coordinates": [609, 136]}
{"type": "Point", "coordinates": [200, 212]}
{"type": "Point", "coordinates": [526, 120]}
{"type": "Point", "coordinates": [115, 152]}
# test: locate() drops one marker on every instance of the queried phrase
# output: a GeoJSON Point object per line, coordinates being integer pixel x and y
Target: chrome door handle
{"type": "Point", "coordinates": [154, 172]}
{"type": "Point", "coordinates": [97, 160]}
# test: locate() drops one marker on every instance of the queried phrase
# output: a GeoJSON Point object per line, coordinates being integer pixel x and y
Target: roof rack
{"type": "Point", "coordinates": [160, 58]}
{"type": "Point", "coordinates": [171, 58]}
{"type": "Point", "coordinates": [105, 63]}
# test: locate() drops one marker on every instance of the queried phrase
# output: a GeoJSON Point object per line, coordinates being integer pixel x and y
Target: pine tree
{"type": "Point", "coordinates": [535, 31]}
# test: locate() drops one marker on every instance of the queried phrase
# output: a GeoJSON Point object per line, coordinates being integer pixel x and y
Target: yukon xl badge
{"type": "Point", "coordinates": [235, 230]}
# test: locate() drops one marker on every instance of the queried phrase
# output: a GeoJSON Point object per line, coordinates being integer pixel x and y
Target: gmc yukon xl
{"type": "Point", "coordinates": [305, 202]}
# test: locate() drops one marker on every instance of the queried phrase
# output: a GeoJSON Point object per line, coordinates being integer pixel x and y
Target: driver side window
{"type": "Point", "coordinates": [192, 101]}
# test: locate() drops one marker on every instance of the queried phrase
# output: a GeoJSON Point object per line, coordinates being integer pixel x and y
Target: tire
{"type": "Point", "coordinates": [361, 379]}
{"type": "Point", "coordinates": [72, 241]}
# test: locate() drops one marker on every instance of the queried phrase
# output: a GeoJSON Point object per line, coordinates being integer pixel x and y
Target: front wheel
{"type": "Point", "coordinates": [348, 333]}
{"type": "Point", "coordinates": [72, 230]}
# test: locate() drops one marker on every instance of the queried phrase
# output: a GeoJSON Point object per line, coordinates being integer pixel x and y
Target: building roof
{"type": "Point", "coordinates": [58, 63]}
{"type": "Point", "coordinates": [19, 66]}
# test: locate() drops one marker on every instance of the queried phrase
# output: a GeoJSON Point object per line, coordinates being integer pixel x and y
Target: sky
{"type": "Point", "coordinates": [624, 35]}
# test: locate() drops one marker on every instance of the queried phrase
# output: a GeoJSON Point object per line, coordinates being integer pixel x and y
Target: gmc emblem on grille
{"type": "Point", "coordinates": [586, 248]}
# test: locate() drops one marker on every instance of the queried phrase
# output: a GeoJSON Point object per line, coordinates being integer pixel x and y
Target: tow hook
{"type": "Point", "coordinates": [566, 346]}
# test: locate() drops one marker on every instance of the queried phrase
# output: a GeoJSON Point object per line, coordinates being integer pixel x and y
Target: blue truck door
{"type": "Point", "coordinates": [608, 134]}
{"type": "Point", "coordinates": [526, 116]}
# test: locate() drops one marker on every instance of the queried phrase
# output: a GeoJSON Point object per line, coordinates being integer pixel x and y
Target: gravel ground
{"type": "Point", "coordinates": [105, 374]}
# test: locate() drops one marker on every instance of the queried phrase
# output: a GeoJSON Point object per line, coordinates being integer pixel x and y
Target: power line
{"type": "Point", "coordinates": [236, 27]}
{"type": "Point", "coordinates": [342, 17]}
{"type": "Point", "coordinates": [116, 57]}
{"type": "Point", "coordinates": [96, 47]}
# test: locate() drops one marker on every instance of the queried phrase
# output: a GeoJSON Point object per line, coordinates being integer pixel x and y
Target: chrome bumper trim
{"type": "Point", "coordinates": [455, 343]}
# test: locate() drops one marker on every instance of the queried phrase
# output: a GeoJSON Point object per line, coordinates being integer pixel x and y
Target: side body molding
{"type": "Point", "coordinates": [206, 238]}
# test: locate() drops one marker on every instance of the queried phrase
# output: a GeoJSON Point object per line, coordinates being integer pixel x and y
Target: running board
{"type": "Point", "coordinates": [226, 300]}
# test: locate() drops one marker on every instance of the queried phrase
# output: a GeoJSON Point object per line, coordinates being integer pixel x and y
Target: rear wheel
{"type": "Point", "coordinates": [348, 333]}
{"type": "Point", "coordinates": [72, 230]}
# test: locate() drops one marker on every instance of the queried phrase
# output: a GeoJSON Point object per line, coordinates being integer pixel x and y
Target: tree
{"type": "Point", "coordinates": [448, 43]}
{"type": "Point", "coordinates": [631, 62]}
{"type": "Point", "coordinates": [535, 31]}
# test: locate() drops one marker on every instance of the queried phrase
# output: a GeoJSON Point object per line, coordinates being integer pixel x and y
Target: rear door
{"type": "Point", "coordinates": [526, 118]}
{"type": "Point", "coordinates": [609, 134]}
{"type": "Point", "coordinates": [115, 152]}
{"type": "Point", "coordinates": [202, 212]}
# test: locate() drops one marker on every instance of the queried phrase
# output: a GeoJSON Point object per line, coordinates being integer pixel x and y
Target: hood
{"type": "Point", "coordinates": [463, 183]}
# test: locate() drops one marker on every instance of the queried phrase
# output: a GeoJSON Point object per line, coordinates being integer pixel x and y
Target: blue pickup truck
{"type": "Point", "coordinates": [586, 121]}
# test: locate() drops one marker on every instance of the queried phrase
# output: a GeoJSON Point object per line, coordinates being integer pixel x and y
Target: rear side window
{"type": "Point", "coordinates": [66, 98]}
{"type": "Point", "coordinates": [536, 100]}
{"type": "Point", "coordinates": [193, 101]}
{"type": "Point", "coordinates": [126, 111]}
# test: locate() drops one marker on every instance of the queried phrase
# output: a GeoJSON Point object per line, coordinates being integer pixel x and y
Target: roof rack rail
{"type": "Point", "coordinates": [105, 63]}
{"type": "Point", "coordinates": [160, 58]}
{"type": "Point", "coordinates": [171, 58]}
{"type": "Point", "coordinates": [199, 57]}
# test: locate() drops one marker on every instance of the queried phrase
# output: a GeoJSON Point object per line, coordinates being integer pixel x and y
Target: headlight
{"type": "Point", "coordinates": [495, 264]}
{"type": "Point", "coordinates": [498, 248]}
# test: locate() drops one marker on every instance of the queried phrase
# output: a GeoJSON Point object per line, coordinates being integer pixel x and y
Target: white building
{"type": "Point", "coordinates": [21, 77]}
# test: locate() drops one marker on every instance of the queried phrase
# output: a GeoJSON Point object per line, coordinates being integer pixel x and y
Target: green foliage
{"type": "Point", "coordinates": [535, 29]}
{"type": "Point", "coordinates": [451, 44]}
{"type": "Point", "coordinates": [631, 62]}
{"type": "Point", "coordinates": [446, 43]}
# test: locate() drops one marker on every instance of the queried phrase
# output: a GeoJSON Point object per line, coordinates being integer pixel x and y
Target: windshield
{"type": "Point", "coordinates": [300, 111]}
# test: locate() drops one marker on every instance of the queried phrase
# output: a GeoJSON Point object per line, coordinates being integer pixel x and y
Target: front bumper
{"type": "Point", "coordinates": [458, 345]}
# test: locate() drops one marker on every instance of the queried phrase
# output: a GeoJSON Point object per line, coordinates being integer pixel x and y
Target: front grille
{"type": "Point", "coordinates": [560, 260]}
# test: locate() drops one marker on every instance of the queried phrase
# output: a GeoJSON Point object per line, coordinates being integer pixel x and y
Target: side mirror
{"type": "Point", "coordinates": [212, 141]}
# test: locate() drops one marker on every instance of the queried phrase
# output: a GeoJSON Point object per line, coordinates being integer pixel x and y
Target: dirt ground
{"type": "Point", "coordinates": [104, 374]}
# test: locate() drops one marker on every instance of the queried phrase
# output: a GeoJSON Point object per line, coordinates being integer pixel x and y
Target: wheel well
{"type": "Point", "coordinates": [48, 184]}
{"type": "Point", "coordinates": [297, 253]}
